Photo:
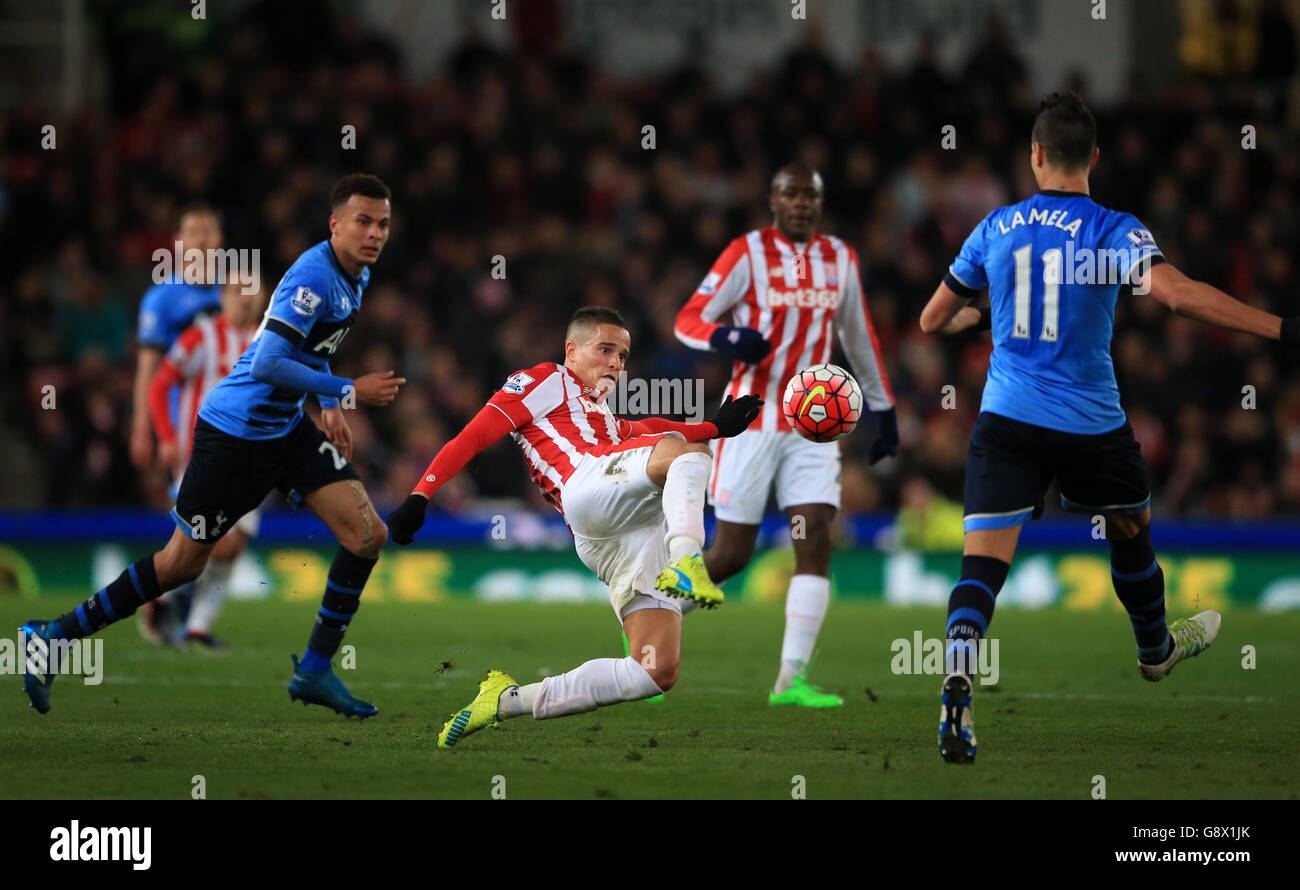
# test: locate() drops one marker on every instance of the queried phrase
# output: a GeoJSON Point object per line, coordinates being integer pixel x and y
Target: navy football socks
{"type": "Point", "coordinates": [970, 609]}
{"type": "Point", "coordinates": [347, 577]}
{"type": "Point", "coordinates": [130, 590]}
{"type": "Point", "coordinates": [1140, 584]}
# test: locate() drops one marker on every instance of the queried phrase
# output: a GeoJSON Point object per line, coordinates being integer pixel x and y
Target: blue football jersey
{"type": "Point", "coordinates": [1053, 265]}
{"type": "Point", "coordinates": [169, 308]}
{"type": "Point", "coordinates": [313, 307]}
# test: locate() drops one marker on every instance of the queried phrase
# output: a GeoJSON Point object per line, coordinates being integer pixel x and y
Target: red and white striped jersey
{"type": "Point", "coordinates": [203, 354]}
{"type": "Point", "coordinates": [791, 296]}
{"type": "Point", "coordinates": [557, 419]}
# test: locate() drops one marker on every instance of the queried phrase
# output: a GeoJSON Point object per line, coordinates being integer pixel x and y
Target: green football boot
{"type": "Point", "coordinates": [804, 695]}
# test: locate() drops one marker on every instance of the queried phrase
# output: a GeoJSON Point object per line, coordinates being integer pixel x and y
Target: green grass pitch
{"type": "Point", "coordinates": [1069, 705]}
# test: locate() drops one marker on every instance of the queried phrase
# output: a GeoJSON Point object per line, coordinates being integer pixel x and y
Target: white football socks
{"type": "Point", "coordinates": [805, 608]}
{"type": "Point", "coordinates": [209, 596]}
{"type": "Point", "coordinates": [517, 700]}
{"type": "Point", "coordinates": [683, 501]}
{"type": "Point", "coordinates": [592, 684]}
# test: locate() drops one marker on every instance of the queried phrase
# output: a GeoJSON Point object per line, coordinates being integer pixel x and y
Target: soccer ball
{"type": "Point", "coordinates": [823, 403]}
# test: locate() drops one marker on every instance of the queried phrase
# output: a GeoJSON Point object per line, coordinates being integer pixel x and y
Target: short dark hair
{"type": "Point", "coordinates": [590, 316]}
{"type": "Point", "coordinates": [1066, 130]}
{"type": "Point", "coordinates": [367, 185]}
{"type": "Point", "coordinates": [794, 168]}
{"type": "Point", "coordinates": [196, 208]}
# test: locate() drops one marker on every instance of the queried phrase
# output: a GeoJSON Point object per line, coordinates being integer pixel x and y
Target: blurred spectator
{"type": "Point", "coordinates": [521, 191]}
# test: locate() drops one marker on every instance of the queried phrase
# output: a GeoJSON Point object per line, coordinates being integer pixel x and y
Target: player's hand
{"type": "Point", "coordinates": [734, 417]}
{"type": "Point", "coordinates": [742, 344]}
{"type": "Point", "coordinates": [406, 520]}
{"type": "Point", "coordinates": [886, 444]}
{"type": "Point", "coordinates": [336, 429]}
{"type": "Point", "coordinates": [379, 388]}
{"type": "Point", "coordinates": [141, 447]}
{"type": "Point", "coordinates": [169, 455]}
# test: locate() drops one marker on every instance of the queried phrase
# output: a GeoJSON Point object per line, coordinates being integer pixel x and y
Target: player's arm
{"type": "Point", "coordinates": [949, 312]}
{"type": "Point", "coordinates": [274, 363]}
{"type": "Point", "coordinates": [1198, 300]}
{"type": "Point", "coordinates": [158, 399]}
{"type": "Point", "coordinates": [152, 340]}
{"type": "Point", "coordinates": [732, 418]}
{"type": "Point", "coordinates": [285, 327]}
{"type": "Point", "coordinates": [858, 337]}
{"type": "Point", "coordinates": [489, 425]}
{"type": "Point", "coordinates": [183, 361]}
{"type": "Point", "coordinates": [526, 395]}
{"type": "Point", "coordinates": [146, 364]}
{"type": "Point", "coordinates": [698, 323]}
{"type": "Point", "coordinates": [327, 402]}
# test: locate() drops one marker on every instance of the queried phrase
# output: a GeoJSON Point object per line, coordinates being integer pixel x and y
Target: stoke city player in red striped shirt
{"type": "Point", "coordinates": [201, 356]}
{"type": "Point", "coordinates": [770, 303]}
{"type": "Point", "coordinates": [632, 493]}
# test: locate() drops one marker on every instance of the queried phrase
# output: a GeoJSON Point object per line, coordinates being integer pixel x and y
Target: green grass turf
{"type": "Point", "coordinates": [1069, 706]}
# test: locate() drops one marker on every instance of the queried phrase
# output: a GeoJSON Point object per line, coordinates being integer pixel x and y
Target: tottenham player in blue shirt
{"type": "Point", "coordinates": [167, 309]}
{"type": "Point", "coordinates": [1053, 265]}
{"type": "Point", "coordinates": [251, 436]}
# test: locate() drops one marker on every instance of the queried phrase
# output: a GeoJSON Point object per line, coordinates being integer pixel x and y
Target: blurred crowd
{"type": "Point", "coordinates": [537, 157]}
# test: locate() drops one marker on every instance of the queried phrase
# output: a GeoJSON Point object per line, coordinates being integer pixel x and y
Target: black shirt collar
{"type": "Point", "coordinates": [1057, 193]}
{"type": "Point", "coordinates": [337, 265]}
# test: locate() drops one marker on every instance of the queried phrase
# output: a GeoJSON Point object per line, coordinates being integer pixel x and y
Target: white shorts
{"type": "Point", "coordinates": [616, 515]}
{"type": "Point", "coordinates": [745, 468]}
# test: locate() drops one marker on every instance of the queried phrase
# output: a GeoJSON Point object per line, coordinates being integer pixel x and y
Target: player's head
{"type": "Point", "coordinates": [198, 228]}
{"type": "Point", "coordinates": [796, 201]}
{"type": "Point", "coordinates": [243, 300]}
{"type": "Point", "coordinates": [1064, 140]}
{"type": "Point", "coordinates": [596, 346]}
{"type": "Point", "coordinates": [360, 214]}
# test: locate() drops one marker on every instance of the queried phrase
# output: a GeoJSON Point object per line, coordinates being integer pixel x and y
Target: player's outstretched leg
{"type": "Point", "coordinates": [1191, 637]}
{"type": "Point", "coordinates": [627, 650]}
{"type": "Point", "coordinates": [591, 685]}
{"type": "Point", "coordinates": [682, 471]}
{"type": "Point", "coordinates": [346, 509]}
{"type": "Point", "coordinates": [178, 563]}
{"type": "Point", "coordinates": [1140, 584]}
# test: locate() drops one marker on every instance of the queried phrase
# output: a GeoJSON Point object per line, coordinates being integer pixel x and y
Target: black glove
{"type": "Point", "coordinates": [1290, 329]}
{"type": "Point", "coordinates": [733, 418]}
{"type": "Point", "coordinates": [886, 444]}
{"type": "Point", "coordinates": [406, 520]}
{"type": "Point", "coordinates": [742, 344]}
{"type": "Point", "coordinates": [986, 320]}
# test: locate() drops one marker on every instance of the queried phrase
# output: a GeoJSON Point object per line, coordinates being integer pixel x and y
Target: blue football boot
{"type": "Point", "coordinates": [324, 688]}
{"type": "Point", "coordinates": [37, 676]}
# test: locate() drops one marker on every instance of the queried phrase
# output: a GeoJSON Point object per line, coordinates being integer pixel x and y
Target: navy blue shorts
{"type": "Point", "coordinates": [227, 476]}
{"type": "Point", "coordinates": [1011, 465]}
